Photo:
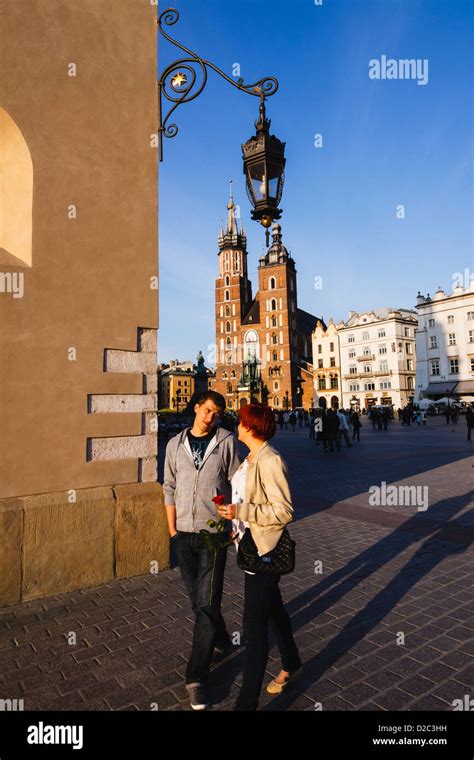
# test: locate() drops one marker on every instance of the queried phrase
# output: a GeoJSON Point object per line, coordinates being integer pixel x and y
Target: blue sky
{"type": "Point", "coordinates": [385, 143]}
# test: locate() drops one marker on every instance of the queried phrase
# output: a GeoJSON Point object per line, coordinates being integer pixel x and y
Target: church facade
{"type": "Point", "coordinates": [263, 341]}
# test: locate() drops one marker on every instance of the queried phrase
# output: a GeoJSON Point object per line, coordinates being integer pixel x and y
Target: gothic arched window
{"type": "Point", "coordinates": [227, 327]}
{"type": "Point", "coordinates": [273, 304]}
{"type": "Point", "coordinates": [251, 345]}
{"type": "Point", "coordinates": [226, 296]}
{"type": "Point", "coordinates": [272, 283]}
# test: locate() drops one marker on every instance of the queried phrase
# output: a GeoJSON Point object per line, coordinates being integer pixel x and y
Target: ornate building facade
{"type": "Point", "coordinates": [263, 342]}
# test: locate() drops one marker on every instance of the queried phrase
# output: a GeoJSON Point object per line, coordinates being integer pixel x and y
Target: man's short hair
{"type": "Point", "coordinates": [216, 398]}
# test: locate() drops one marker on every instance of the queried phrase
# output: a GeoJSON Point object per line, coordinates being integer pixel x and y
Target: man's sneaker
{"type": "Point", "coordinates": [197, 695]}
{"type": "Point", "coordinates": [222, 652]}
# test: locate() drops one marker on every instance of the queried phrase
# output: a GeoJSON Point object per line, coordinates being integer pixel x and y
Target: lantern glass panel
{"type": "Point", "coordinates": [257, 177]}
{"type": "Point", "coordinates": [274, 171]}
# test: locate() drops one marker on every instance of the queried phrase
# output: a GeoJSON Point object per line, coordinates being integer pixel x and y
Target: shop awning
{"type": "Point", "coordinates": [440, 389]}
{"type": "Point", "coordinates": [465, 386]}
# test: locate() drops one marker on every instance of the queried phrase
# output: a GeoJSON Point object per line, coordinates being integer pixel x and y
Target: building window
{"type": "Point", "coordinates": [354, 387]}
{"type": "Point", "coordinates": [365, 336]}
{"type": "Point", "coordinates": [331, 346]}
{"type": "Point", "coordinates": [452, 339]}
{"type": "Point", "coordinates": [383, 366]}
{"type": "Point", "coordinates": [229, 358]}
{"type": "Point", "coordinates": [453, 366]}
{"type": "Point", "coordinates": [433, 341]}
{"type": "Point", "coordinates": [227, 326]}
{"type": "Point", "coordinates": [227, 280]}
{"type": "Point", "coordinates": [394, 347]}
{"type": "Point", "coordinates": [227, 311]}
{"type": "Point", "coordinates": [320, 348]}
{"type": "Point", "coordinates": [352, 353]}
{"type": "Point", "coordinates": [251, 345]}
{"type": "Point", "coordinates": [333, 383]}
{"type": "Point", "coordinates": [381, 333]}
{"type": "Point", "coordinates": [351, 339]}
{"type": "Point", "coordinates": [382, 349]}
{"type": "Point", "coordinates": [367, 352]}
{"type": "Point", "coordinates": [408, 348]}
{"type": "Point", "coordinates": [276, 385]}
{"type": "Point", "coordinates": [369, 386]}
{"type": "Point", "coordinates": [276, 401]}
{"type": "Point", "coordinates": [406, 331]}
{"type": "Point", "coordinates": [435, 367]}
{"type": "Point", "coordinates": [275, 356]}
{"type": "Point", "coordinates": [272, 283]}
{"type": "Point", "coordinates": [274, 321]}
{"type": "Point", "coordinates": [322, 383]}
{"type": "Point", "coordinates": [385, 385]}
{"type": "Point", "coordinates": [273, 304]}
{"type": "Point", "coordinates": [471, 336]}
{"type": "Point", "coordinates": [232, 374]}
{"type": "Point", "coordinates": [410, 365]}
{"type": "Point", "coordinates": [470, 315]}
{"type": "Point", "coordinates": [472, 363]}
{"type": "Point", "coordinates": [367, 368]}
{"type": "Point", "coordinates": [332, 361]}
{"type": "Point", "coordinates": [229, 387]}
{"type": "Point", "coordinates": [450, 319]}
{"type": "Point", "coordinates": [353, 369]}
{"type": "Point", "coordinates": [226, 296]}
{"type": "Point", "coordinates": [274, 338]}
{"type": "Point", "coordinates": [410, 383]}
{"type": "Point", "coordinates": [431, 323]}
{"type": "Point", "coordinates": [320, 364]}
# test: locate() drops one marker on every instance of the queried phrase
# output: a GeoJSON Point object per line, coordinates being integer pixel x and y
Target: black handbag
{"type": "Point", "coordinates": [280, 561]}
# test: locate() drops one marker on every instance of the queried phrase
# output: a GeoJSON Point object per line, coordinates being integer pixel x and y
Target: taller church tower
{"type": "Point", "coordinates": [233, 293]}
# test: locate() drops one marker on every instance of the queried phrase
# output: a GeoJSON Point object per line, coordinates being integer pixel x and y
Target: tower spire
{"type": "Point", "coordinates": [230, 235]}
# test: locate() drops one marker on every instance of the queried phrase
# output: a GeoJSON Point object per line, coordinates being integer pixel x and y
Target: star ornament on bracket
{"type": "Point", "coordinates": [178, 80]}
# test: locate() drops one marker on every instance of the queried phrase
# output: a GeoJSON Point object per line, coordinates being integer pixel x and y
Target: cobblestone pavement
{"type": "Point", "coordinates": [387, 573]}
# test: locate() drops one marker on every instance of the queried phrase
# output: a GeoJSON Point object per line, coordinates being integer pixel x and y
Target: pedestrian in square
{"type": "Point", "coordinates": [469, 420]}
{"type": "Point", "coordinates": [262, 509]}
{"type": "Point", "coordinates": [199, 465]}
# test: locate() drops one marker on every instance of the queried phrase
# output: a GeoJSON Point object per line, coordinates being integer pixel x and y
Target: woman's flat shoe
{"type": "Point", "coordinates": [277, 688]}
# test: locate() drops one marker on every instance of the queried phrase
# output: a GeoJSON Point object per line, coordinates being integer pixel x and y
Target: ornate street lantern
{"type": "Point", "coordinates": [264, 167]}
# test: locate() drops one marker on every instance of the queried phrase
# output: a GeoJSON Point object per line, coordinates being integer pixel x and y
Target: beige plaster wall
{"type": "Point", "coordinates": [88, 287]}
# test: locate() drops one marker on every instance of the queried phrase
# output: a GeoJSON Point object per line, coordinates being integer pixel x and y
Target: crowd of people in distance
{"type": "Point", "coordinates": [329, 426]}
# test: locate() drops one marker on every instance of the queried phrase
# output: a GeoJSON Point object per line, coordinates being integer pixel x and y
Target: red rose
{"type": "Point", "coordinates": [219, 499]}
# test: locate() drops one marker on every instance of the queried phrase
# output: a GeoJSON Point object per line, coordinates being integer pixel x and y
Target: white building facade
{"type": "Point", "coordinates": [378, 358]}
{"type": "Point", "coordinates": [326, 364]}
{"type": "Point", "coordinates": [445, 345]}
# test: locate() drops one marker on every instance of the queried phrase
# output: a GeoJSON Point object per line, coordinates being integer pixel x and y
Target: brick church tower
{"type": "Point", "coordinates": [263, 343]}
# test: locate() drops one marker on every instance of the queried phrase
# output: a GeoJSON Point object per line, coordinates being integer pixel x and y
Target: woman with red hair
{"type": "Point", "coordinates": [262, 505]}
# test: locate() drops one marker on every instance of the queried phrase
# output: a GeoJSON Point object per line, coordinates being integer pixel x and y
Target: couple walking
{"type": "Point", "coordinates": [202, 463]}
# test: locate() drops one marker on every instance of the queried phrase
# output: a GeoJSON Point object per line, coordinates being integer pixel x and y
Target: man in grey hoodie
{"type": "Point", "coordinates": [200, 462]}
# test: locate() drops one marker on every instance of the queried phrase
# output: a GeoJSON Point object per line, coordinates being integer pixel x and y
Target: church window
{"type": "Point", "coordinates": [227, 311]}
{"type": "Point", "coordinates": [274, 321]}
{"type": "Point", "coordinates": [227, 296]}
{"type": "Point", "coordinates": [275, 356]}
{"type": "Point", "coordinates": [251, 345]}
{"type": "Point", "coordinates": [227, 279]}
{"type": "Point", "coordinates": [274, 338]}
{"type": "Point", "coordinates": [272, 283]}
{"type": "Point", "coordinates": [273, 304]}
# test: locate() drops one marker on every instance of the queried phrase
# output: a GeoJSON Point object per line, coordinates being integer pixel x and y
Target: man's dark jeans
{"type": "Point", "coordinates": [198, 567]}
{"type": "Point", "coordinates": [264, 605]}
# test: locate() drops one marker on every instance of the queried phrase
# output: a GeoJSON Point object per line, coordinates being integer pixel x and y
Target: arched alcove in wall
{"type": "Point", "coordinates": [16, 195]}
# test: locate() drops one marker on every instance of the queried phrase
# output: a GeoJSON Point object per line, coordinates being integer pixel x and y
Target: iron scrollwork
{"type": "Point", "coordinates": [185, 79]}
